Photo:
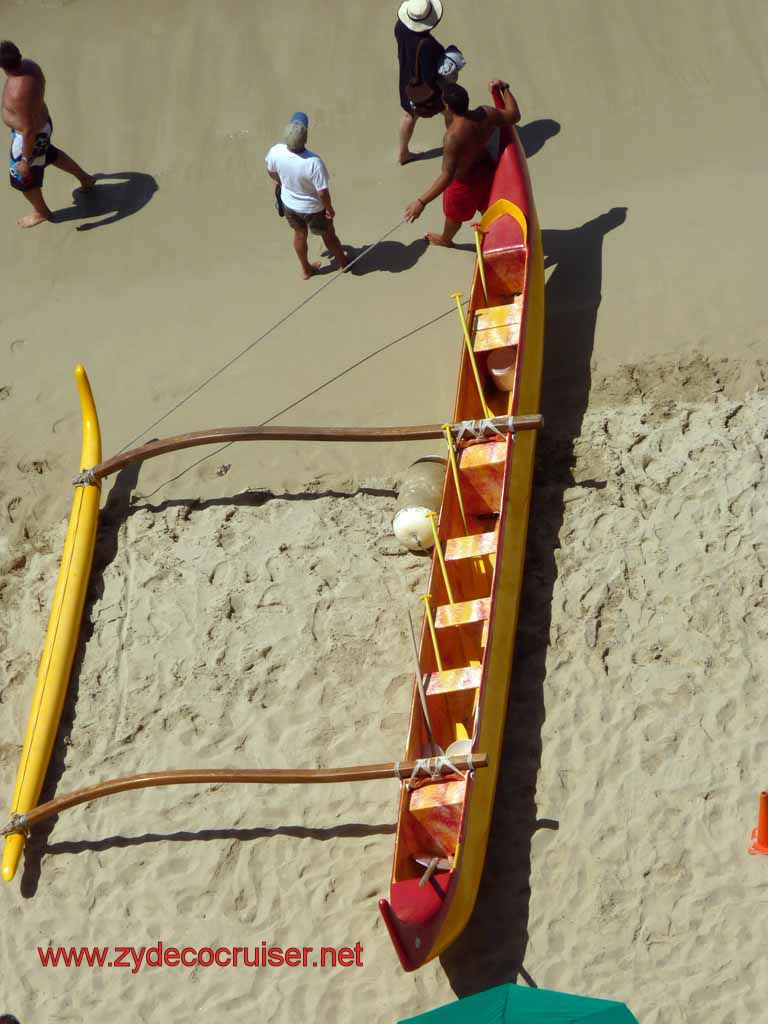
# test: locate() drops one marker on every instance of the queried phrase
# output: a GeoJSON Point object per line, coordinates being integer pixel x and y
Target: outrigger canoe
{"type": "Point", "coordinates": [465, 655]}
{"type": "Point", "coordinates": [467, 639]}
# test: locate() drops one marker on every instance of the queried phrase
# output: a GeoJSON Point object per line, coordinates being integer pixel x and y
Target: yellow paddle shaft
{"type": "Point", "coordinates": [471, 355]}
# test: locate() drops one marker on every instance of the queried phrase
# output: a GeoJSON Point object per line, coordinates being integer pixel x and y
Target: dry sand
{"type": "Point", "coordinates": [258, 616]}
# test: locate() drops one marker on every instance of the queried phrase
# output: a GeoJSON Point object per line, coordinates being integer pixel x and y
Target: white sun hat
{"type": "Point", "coordinates": [420, 15]}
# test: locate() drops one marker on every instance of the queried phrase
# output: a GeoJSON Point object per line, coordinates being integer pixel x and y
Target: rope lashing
{"type": "Point", "coordinates": [16, 824]}
{"type": "Point", "coordinates": [86, 478]}
{"type": "Point", "coordinates": [436, 767]}
{"type": "Point", "coordinates": [479, 430]}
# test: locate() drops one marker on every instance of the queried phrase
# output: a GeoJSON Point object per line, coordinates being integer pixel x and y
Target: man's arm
{"type": "Point", "coordinates": [431, 56]}
{"type": "Point", "coordinates": [319, 177]}
{"type": "Point", "coordinates": [269, 160]}
{"type": "Point", "coordinates": [27, 100]}
{"type": "Point", "coordinates": [450, 162]}
{"type": "Point", "coordinates": [324, 194]}
{"type": "Point", "coordinates": [511, 112]}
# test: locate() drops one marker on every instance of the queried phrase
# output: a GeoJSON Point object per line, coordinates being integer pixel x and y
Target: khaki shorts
{"type": "Point", "coordinates": [317, 222]}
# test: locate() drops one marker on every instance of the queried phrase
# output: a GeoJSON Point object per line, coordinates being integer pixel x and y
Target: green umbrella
{"type": "Point", "coordinates": [513, 1004]}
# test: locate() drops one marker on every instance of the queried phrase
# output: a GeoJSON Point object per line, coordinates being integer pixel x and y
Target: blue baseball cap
{"type": "Point", "coordinates": [301, 118]}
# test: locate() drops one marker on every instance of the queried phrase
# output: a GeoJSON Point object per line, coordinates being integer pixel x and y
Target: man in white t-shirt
{"type": "Point", "coordinates": [304, 193]}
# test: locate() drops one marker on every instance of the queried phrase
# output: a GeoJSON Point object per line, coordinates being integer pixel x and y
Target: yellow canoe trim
{"type": "Point", "coordinates": [498, 209]}
{"type": "Point", "coordinates": [63, 631]}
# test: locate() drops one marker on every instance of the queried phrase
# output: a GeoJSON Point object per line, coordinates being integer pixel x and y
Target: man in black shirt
{"type": "Point", "coordinates": [415, 21]}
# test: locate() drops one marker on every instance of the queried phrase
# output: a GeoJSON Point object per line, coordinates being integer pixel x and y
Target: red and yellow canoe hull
{"type": "Point", "coordinates": [425, 919]}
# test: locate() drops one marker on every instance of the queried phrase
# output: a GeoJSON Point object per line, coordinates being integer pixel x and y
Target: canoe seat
{"type": "Point", "coordinates": [452, 701]}
{"type": "Point", "coordinates": [482, 475]}
{"type": "Point", "coordinates": [474, 546]}
{"type": "Point", "coordinates": [498, 326]}
{"type": "Point", "coordinates": [437, 807]}
{"type": "Point", "coordinates": [462, 613]}
{"type": "Point", "coordinates": [453, 680]}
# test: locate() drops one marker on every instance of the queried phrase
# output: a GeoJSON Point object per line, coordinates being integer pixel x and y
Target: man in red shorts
{"type": "Point", "coordinates": [468, 168]}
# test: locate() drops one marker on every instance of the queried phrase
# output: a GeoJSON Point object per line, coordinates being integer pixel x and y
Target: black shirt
{"type": "Point", "coordinates": [429, 58]}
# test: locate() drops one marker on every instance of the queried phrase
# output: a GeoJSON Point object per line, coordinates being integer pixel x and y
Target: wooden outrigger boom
{"type": "Point", "coordinates": [230, 435]}
{"type": "Point", "coordinates": [432, 767]}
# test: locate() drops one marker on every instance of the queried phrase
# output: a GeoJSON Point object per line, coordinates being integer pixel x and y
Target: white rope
{"type": "Point", "coordinates": [16, 824]}
{"type": "Point", "coordinates": [489, 425]}
{"type": "Point", "coordinates": [85, 478]}
{"type": "Point", "coordinates": [261, 338]}
{"type": "Point", "coordinates": [436, 767]}
{"type": "Point", "coordinates": [440, 763]}
{"type": "Point", "coordinates": [479, 430]}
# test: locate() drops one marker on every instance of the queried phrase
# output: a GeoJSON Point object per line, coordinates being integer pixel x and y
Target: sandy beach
{"type": "Point", "coordinates": [249, 607]}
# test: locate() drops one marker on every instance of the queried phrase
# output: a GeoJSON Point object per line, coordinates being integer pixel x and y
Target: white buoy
{"type": "Point", "coordinates": [420, 493]}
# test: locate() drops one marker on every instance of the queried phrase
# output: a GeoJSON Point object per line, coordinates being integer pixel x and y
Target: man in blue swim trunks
{"type": "Point", "coordinates": [26, 114]}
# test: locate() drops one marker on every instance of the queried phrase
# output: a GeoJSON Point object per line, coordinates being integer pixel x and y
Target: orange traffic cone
{"type": "Point", "coordinates": [759, 842]}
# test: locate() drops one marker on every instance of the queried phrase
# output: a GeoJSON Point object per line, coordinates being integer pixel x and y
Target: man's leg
{"type": "Point", "coordinates": [40, 207]}
{"type": "Point", "coordinates": [300, 245]}
{"type": "Point", "coordinates": [407, 124]}
{"type": "Point", "coordinates": [449, 233]}
{"type": "Point", "coordinates": [334, 247]}
{"type": "Point", "coordinates": [66, 163]}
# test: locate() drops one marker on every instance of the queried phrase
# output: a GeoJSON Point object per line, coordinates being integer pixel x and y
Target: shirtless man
{"type": "Point", "coordinates": [468, 169]}
{"type": "Point", "coordinates": [25, 113]}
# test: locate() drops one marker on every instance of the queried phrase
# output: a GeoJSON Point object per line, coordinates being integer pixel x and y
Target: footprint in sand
{"type": "Point", "coordinates": [38, 466]}
{"type": "Point", "coordinates": [17, 344]}
{"type": "Point", "coordinates": [57, 424]}
{"type": "Point", "coordinates": [5, 392]}
{"type": "Point", "coordinates": [11, 506]}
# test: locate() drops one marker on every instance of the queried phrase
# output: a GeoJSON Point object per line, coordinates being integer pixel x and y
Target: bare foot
{"type": "Point", "coordinates": [87, 183]}
{"type": "Point", "coordinates": [343, 263]}
{"type": "Point", "coordinates": [32, 220]}
{"type": "Point", "coordinates": [310, 270]}
{"type": "Point", "coordinates": [437, 240]}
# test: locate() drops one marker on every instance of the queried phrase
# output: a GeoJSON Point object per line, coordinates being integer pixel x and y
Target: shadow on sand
{"type": "Point", "coordinates": [428, 154]}
{"type": "Point", "coordinates": [389, 257]}
{"type": "Point", "coordinates": [534, 134]}
{"type": "Point", "coordinates": [114, 197]}
{"type": "Point", "coordinates": [353, 830]}
{"type": "Point", "coordinates": [492, 949]}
